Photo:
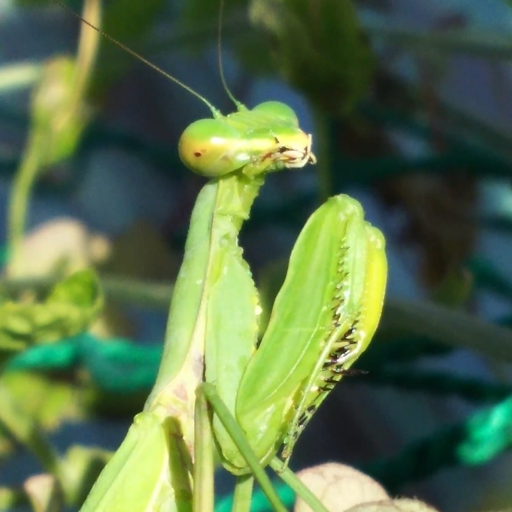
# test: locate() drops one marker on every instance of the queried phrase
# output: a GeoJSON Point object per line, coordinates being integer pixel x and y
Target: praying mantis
{"type": "Point", "coordinates": [323, 318]}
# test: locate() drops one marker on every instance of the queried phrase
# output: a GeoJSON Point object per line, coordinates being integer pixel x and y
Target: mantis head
{"type": "Point", "coordinates": [262, 139]}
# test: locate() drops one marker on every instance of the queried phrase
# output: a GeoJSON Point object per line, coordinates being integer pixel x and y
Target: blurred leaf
{"type": "Point", "coordinates": [319, 48]}
{"type": "Point", "coordinates": [127, 21]}
{"type": "Point", "coordinates": [59, 114]}
{"type": "Point", "coordinates": [43, 493]}
{"type": "Point", "coordinates": [19, 75]}
{"type": "Point", "coordinates": [26, 431]}
{"type": "Point", "coordinates": [455, 288]}
{"type": "Point", "coordinates": [252, 52]}
{"type": "Point", "coordinates": [142, 252]}
{"type": "Point", "coordinates": [82, 466]}
{"type": "Point", "coordinates": [201, 17]}
{"type": "Point", "coordinates": [489, 277]}
{"type": "Point", "coordinates": [45, 399]}
{"type": "Point", "coordinates": [80, 289]}
{"type": "Point", "coordinates": [447, 326]}
{"type": "Point", "coordinates": [6, 449]}
{"type": "Point", "coordinates": [68, 310]}
{"type": "Point", "coordinates": [11, 498]}
{"type": "Point", "coordinates": [34, 3]}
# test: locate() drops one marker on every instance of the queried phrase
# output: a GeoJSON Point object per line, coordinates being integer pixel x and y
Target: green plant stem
{"type": "Point", "coordinates": [87, 49]}
{"type": "Point", "coordinates": [454, 328]}
{"type": "Point", "coordinates": [27, 433]}
{"type": "Point", "coordinates": [143, 293]}
{"type": "Point", "coordinates": [243, 445]}
{"type": "Point", "coordinates": [203, 497]}
{"type": "Point", "coordinates": [291, 479]}
{"type": "Point", "coordinates": [20, 195]}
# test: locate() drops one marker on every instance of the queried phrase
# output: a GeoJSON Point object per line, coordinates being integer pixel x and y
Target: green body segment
{"type": "Point", "coordinates": [356, 314]}
{"type": "Point", "coordinates": [230, 330]}
{"type": "Point", "coordinates": [225, 144]}
{"type": "Point", "coordinates": [185, 314]}
{"type": "Point", "coordinates": [202, 330]}
{"type": "Point", "coordinates": [152, 452]}
{"type": "Point", "coordinates": [326, 311]}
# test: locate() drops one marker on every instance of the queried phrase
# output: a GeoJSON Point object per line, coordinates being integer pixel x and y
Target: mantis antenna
{"type": "Point", "coordinates": [239, 106]}
{"type": "Point", "coordinates": [214, 111]}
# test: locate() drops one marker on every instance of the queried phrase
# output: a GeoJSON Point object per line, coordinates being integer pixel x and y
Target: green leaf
{"type": "Point", "coordinates": [448, 326]}
{"type": "Point", "coordinates": [80, 289]}
{"type": "Point", "coordinates": [11, 498]}
{"type": "Point", "coordinates": [59, 115]}
{"type": "Point", "coordinates": [68, 310]}
{"type": "Point", "coordinates": [45, 399]}
{"type": "Point", "coordinates": [319, 48]}
{"type": "Point", "coordinates": [82, 466]}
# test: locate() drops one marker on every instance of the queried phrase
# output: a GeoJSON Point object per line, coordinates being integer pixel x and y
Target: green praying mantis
{"type": "Point", "coordinates": [323, 318]}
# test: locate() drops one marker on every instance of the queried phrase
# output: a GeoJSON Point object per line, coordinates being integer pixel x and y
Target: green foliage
{"type": "Point", "coordinates": [47, 399]}
{"type": "Point", "coordinates": [58, 112]}
{"type": "Point", "coordinates": [319, 47]}
{"type": "Point", "coordinates": [69, 309]}
{"type": "Point", "coordinates": [83, 464]}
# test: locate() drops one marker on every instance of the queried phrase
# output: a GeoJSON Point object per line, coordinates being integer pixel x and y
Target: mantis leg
{"type": "Point", "coordinates": [150, 471]}
{"type": "Point", "coordinates": [203, 458]}
{"type": "Point", "coordinates": [238, 436]}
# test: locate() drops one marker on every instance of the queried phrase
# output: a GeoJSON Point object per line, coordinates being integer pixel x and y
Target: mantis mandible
{"type": "Point", "coordinates": [323, 318]}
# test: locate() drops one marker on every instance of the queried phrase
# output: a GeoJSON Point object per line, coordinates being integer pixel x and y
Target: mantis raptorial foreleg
{"type": "Point", "coordinates": [151, 471]}
{"type": "Point", "coordinates": [322, 320]}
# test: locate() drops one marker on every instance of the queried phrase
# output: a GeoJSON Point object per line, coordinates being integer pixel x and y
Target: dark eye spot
{"type": "Point", "coordinates": [198, 154]}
